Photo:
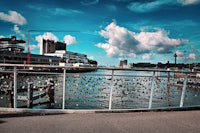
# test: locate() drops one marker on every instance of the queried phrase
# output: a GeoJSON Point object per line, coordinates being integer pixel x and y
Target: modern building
{"type": "Point", "coordinates": [50, 46]}
{"type": "Point", "coordinates": [53, 53]}
{"type": "Point", "coordinates": [58, 49]}
{"type": "Point", "coordinates": [9, 44]}
{"type": "Point", "coordinates": [123, 63]}
{"type": "Point", "coordinates": [12, 52]}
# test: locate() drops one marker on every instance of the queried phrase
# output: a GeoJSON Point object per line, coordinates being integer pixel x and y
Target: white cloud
{"type": "Point", "coordinates": [46, 36]}
{"type": "Point", "coordinates": [13, 17]}
{"type": "Point", "coordinates": [55, 11]}
{"type": "Point", "coordinates": [192, 56]}
{"type": "Point", "coordinates": [2, 36]}
{"type": "Point", "coordinates": [38, 7]}
{"type": "Point", "coordinates": [180, 55]}
{"type": "Point", "coordinates": [158, 41]}
{"type": "Point", "coordinates": [183, 56]}
{"type": "Point", "coordinates": [18, 31]}
{"type": "Point", "coordinates": [123, 42]}
{"type": "Point", "coordinates": [32, 47]}
{"type": "Point", "coordinates": [68, 39]}
{"type": "Point", "coordinates": [146, 56]}
{"type": "Point", "coordinates": [143, 7]}
{"type": "Point", "coordinates": [188, 2]}
{"type": "Point", "coordinates": [120, 40]}
{"type": "Point", "coordinates": [63, 12]}
{"type": "Point", "coordinates": [91, 57]}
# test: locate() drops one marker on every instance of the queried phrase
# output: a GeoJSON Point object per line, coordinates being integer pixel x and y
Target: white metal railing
{"type": "Point", "coordinates": [17, 69]}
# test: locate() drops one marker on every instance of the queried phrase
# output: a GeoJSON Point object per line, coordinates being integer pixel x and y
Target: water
{"type": "Point", "coordinates": [131, 90]}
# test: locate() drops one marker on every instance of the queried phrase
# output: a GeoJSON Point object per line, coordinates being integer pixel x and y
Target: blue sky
{"type": "Point", "coordinates": [109, 30]}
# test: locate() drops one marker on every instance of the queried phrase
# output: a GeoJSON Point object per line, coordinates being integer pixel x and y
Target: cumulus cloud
{"type": "Point", "coordinates": [46, 36]}
{"type": "Point", "coordinates": [18, 31]}
{"type": "Point", "coordinates": [89, 2]}
{"type": "Point", "coordinates": [13, 17]}
{"type": "Point", "coordinates": [188, 2]}
{"type": "Point", "coordinates": [183, 56]}
{"type": "Point", "coordinates": [158, 41]}
{"type": "Point", "coordinates": [192, 56]}
{"type": "Point", "coordinates": [180, 55]}
{"type": "Point", "coordinates": [68, 39]}
{"type": "Point", "coordinates": [123, 42]}
{"type": "Point", "coordinates": [119, 40]}
{"type": "Point", "coordinates": [146, 56]}
{"type": "Point", "coordinates": [2, 36]}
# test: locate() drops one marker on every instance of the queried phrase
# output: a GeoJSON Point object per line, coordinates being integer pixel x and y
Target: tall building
{"type": "Point", "coordinates": [50, 46]}
{"type": "Point", "coordinates": [58, 49]}
{"type": "Point", "coordinates": [123, 63]}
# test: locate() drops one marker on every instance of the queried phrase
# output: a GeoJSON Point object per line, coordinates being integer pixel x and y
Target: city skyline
{"type": "Point", "coordinates": [109, 31]}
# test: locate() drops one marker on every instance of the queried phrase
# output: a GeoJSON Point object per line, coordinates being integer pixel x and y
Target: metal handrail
{"type": "Point", "coordinates": [15, 71]}
{"type": "Point", "coordinates": [90, 67]}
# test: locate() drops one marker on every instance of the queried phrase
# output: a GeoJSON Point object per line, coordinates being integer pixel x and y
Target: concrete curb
{"type": "Point", "coordinates": [18, 112]}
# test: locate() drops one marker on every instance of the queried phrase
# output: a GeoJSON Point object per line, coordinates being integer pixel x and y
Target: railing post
{"type": "Point", "coordinates": [152, 89]}
{"type": "Point", "coordinates": [168, 83]}
{"type": "Point", "coordinates": [183, 91]}
{"type": "Point", "coordinates": [15, 87]}
{"type": "Point", "coordinates": [111, 90]}
{"type": "Point", "coordinates": [30, 95]}
{"type": "Point", "coordinates": [64, 81]}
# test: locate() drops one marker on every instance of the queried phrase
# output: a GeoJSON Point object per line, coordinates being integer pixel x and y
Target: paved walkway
{"type": "Point", "coordinates": [134, 122]}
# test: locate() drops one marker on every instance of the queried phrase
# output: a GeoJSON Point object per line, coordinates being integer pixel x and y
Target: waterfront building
{"type": "Point", "coordinates": [12, 52]}
{"type": "Point", "coordinates": [123, 63]}
{"type": "Point", "coordinates": [53, 53]}
{"type": "Point", "coordinates": [58, 49]}
{"type": "Point", "coordinates": [49, 46]}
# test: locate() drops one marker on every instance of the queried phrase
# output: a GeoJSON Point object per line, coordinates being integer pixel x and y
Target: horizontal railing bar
{"type": "Point", "coordinates": [29, 72]}
{"type": "Point", "coordinates": [87, 74]}
{"type": "Point", "coordinates": [99, 68]}
{"type": "Point", "coordinates": [50, 73]}
{"type": "Point", "coordinates": [6, 71]}
{"type": "Point", "coordinates": [116, 75]}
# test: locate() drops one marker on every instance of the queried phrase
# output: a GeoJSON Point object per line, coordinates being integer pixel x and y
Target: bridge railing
{"type": "Point", "coordinates": [105, 88]}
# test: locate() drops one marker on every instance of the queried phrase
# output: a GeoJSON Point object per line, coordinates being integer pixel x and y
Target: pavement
{"type": "Point", "coordinates": [105, 122]}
